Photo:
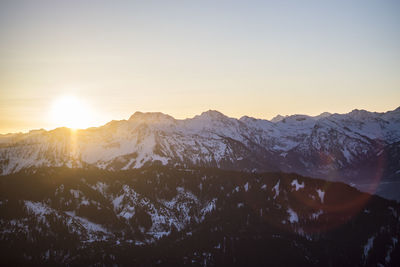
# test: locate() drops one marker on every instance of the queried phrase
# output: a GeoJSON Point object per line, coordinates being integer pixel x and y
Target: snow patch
{"type": "Point", "coordinates": [100, 187]}
{"type": "Point", "coordinates": [160, 234]}
{"type": "Point", "coordinates": [209, 207]}
{"type": "Point", "coordinates": [75, 193]}
{"type": "Point", "coordinates": [292, 216]}
{"type": "Point", "coordinates": [91, 227]}
{"type": "Point", "coordinates": [321, 195]}
{"type": "Point", "coordinates": [297, 185]}
{"type": "Point", "coordinates": [316, 215]}
{"type": "Point", "coordinates": [37, 208]}
{"type": "Point", "coordinates": [368, 246]}
{"type": "Point", "coordinates": [246, 187]}
{"type": "Point", "coordinates": [390, 250]}
{"type": "Point", "coordinates": [264, 187]}
{"type": "Point", "coordinates": [276, 189]}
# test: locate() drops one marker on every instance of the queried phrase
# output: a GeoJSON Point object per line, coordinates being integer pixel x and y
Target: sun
{"type": "Point", "coordinates": [71, 112]}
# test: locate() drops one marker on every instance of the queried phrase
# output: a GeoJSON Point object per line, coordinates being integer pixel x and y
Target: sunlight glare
{"type": "Point", "coordinates": [71, 112]}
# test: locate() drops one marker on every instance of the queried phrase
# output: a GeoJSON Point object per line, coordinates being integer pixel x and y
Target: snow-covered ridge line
{"type": "Point", "coordinates": [298, 143]}
{"type": "Point", "coordinates": [157, 117]}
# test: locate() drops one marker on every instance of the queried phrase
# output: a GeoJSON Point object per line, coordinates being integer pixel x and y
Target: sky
{"type": "Point", "coordinates": [255, 58]}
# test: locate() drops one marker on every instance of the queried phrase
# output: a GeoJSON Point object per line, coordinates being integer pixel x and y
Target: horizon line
{"type": "Point", "coordinates": [188, 118]}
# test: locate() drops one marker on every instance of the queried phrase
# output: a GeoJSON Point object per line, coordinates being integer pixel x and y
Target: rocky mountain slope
{"type": "Point", "coordinates": [360, 148]}
{"type": "Point", "coordinates": [161, 216]}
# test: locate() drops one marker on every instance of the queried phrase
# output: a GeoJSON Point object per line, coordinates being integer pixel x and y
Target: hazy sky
{"type": "Point", "coordinates": [256, 58]}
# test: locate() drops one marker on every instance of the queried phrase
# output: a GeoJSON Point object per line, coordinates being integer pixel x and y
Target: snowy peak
{"type": "Point", "coordinates": [296, 118]}
{"type": "Point", "coordinates": [151, 117]}
{"type": "Point", "coordinates": [323, 115]}
{"type": "Point", "coordinates": [392, 115]}
{"type": "Point", "coordinates": [299, 117]}
{"type": "Point", "coordinates": [277, 118]}
{"type": "Point", "coordinates": [213, 122]}
{"type": "Point", "coordinates": [361, 114]}
{"type": "Point", "coordinates": [211, 115]}
{"type": "Point", "coordinates": [247, 119]}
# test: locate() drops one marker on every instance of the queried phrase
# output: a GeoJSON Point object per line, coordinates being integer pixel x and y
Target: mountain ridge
{"type": "Point", "coordinates": [140, 113]}
{"type": "Point", "coordinates": [348, 147]}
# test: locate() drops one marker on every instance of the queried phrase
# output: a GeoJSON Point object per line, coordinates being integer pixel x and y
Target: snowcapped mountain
{"type": "Point", "coordinates": [358, 147]}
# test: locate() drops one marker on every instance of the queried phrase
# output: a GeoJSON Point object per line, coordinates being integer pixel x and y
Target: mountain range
{"type": "Point", "coordinates": [360, 148]}
{"type": "Point", "coordinates": [206, 191]}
